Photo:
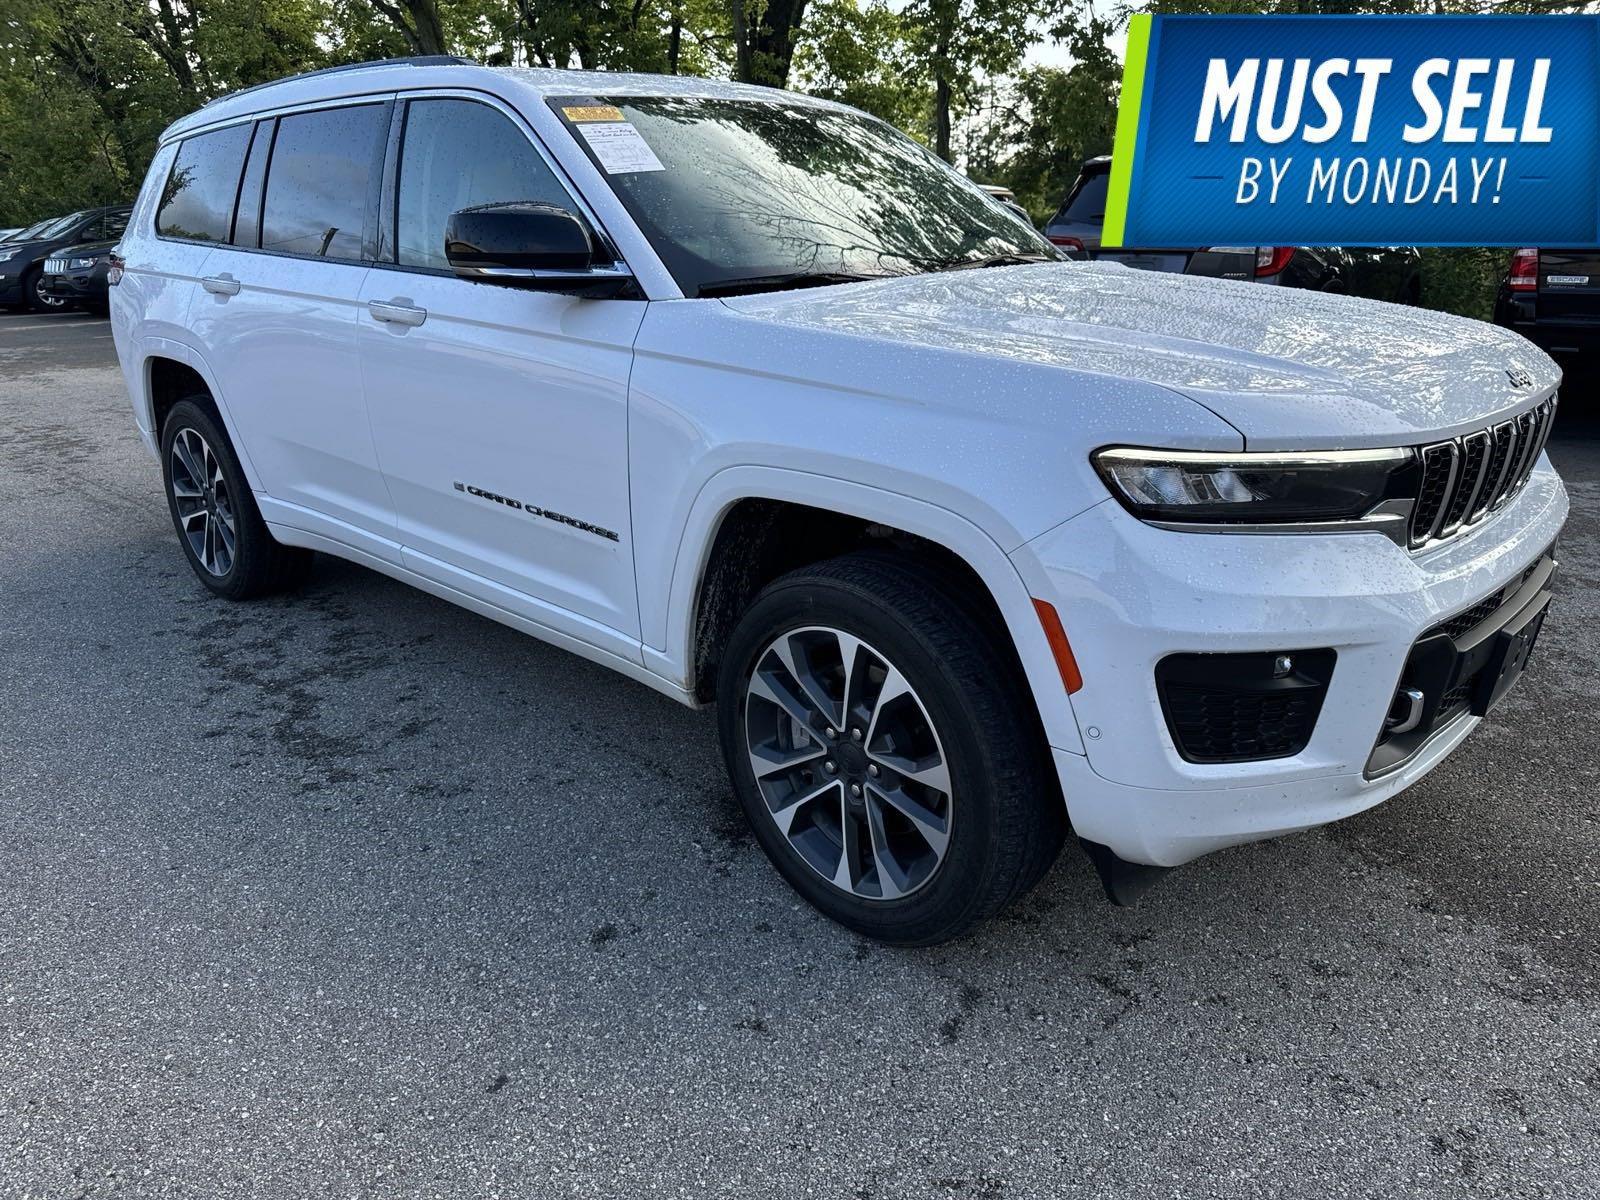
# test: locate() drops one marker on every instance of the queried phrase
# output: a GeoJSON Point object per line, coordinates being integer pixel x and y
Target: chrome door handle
{"type": "Point", "coordinates": [221, 285]}
{"type": "Point", "coordinates": [395, 313]}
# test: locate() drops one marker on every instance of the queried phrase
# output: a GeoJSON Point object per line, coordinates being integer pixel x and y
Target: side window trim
{"type": "Point", "coordinates": [390, 204]}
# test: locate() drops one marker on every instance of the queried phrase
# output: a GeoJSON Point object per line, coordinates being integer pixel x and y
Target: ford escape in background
{"type": "Point", "coordinates": [1391, 273]}
{"type": "Point", "coordinates": [1552, 298]}
{"type": "Point", "coordinates": [750, 398]}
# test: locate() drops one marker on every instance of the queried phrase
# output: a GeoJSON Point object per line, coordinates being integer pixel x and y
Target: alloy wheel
{"type": "Point", "coordinates": [203, 503]}
{"type": "Point", "coordinates": [848, 763]}
{"type": "Point", "coordinates": [45, 298]}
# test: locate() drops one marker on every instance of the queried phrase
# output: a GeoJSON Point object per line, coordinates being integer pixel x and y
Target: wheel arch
{"type": "Point", "coordinates": [724, 533]}
{"type": "Point", "coordinates": [169, 370]}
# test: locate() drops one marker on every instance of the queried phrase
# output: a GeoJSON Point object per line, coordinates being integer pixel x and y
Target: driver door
{"type": "Point", "coordinates": [500, 415]}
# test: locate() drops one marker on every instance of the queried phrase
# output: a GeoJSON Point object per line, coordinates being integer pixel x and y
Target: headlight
{"type": "Point", "coordinates": [1196, 488]}
{"type": "Point", "coordinates": [84, 264]}
{"type": "Point", "coordinates": [8, 255]}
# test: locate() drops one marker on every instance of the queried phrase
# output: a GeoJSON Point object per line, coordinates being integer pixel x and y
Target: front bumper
{"type": "Point", "coordinates": [1130, 594]}
{"type": "Point", "coordinates": [82, 287]}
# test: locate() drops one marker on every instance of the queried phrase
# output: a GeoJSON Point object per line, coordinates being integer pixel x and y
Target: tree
{"type": "Point", "coordinates": [1051, 120]}
{"type": "Point", "coordinates": [859, 56]}
{"type": "Point", "coordinates": [957, 40]}
{"type": "Point", "coordinates": [764, 36]}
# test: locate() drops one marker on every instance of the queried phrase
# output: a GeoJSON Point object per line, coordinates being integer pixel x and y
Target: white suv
{"type": "Point", "coordinates": [752, 399]}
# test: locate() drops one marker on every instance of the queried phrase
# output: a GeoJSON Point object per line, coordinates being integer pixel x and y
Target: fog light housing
{"type": "Point", "coordinates": [1243, 707]}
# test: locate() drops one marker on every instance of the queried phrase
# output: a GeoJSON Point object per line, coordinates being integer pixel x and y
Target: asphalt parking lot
{"type": "Point", "coordinates": [357, 894]}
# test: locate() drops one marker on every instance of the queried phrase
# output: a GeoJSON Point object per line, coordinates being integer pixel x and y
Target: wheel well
{"type": "Point", "coordinates": [171, 381]}
{"type": "Point", "coordinates": [759, 540]}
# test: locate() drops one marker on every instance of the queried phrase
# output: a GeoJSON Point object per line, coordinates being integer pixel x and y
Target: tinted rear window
{"type": "Point", "coordinates": [197, 203]}
{"type": "Point", "coordinates": [318, 181]}
{"type": "Point", "coordinates": [1089, 205]}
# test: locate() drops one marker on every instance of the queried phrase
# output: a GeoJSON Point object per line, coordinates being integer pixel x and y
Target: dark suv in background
{"type": "Point", "coordinates": [1552, 298]}
{"type": "Point", "coordinates": [1382, 273]}
{"type": "Point", "coordinates": [22, 278]}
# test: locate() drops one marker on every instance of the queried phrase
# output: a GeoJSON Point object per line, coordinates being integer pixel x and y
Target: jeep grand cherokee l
{"type": "Point", "coordinates": [750, 398]}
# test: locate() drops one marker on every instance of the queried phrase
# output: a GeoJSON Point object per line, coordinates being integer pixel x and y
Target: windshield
{"type": "Point", "coordinates": [37, 229]}
{"type": "Point", "coordinates": [759, 192]}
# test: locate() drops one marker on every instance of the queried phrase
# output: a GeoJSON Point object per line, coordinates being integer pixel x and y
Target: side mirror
{"type": "Point", "coordinates": [542, 247]}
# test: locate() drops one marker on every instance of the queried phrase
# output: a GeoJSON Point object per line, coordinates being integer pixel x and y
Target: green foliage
{"type": "Point", "coordinates": [1034, 141]}
{"type": "Point", "coordinates": [858, 55]}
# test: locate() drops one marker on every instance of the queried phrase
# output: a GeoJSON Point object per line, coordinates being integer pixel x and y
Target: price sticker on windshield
{"type": "Point", "coordinates": [619, 149]}
{"type": "Point", "coordinates": [592, 112]}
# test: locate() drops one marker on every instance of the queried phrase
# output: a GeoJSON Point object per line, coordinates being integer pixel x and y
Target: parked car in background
{"type": "Point", "coordinates": [77, 275]}
{"type": "Point", "coordinates": [22, 262]}
{"type": "Point", "coordinates": [1007, 197]}
{"type": "Point", "coordinates": [634, 364]}
{"type": "Point", "coordinates": [28, 233]}
{"type": "Point", "coordinates": [1552, 298]}
{"type": "Point", "coordinates": [1382, 273]}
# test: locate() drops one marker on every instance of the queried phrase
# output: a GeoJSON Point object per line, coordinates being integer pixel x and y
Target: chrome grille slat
{"type": "Point", "coordinates": [1474, 462]}
{"type": "Point", "coordinates": [1467, 478]}
{"type": "Point", "coordinates": [1504, 439]}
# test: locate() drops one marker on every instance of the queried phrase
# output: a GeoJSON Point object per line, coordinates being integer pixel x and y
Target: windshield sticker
{"type": "Point", "coordinates": [619, 149]}
{"type": "Point", "coordinates": [592, 112]}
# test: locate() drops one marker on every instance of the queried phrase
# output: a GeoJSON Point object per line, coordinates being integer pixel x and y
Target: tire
{"type": "Point", "coordinates": [933, 861]}
{"type": "Point", "coordinates": [214, 512]}
{"type": "Point", "coordinates": [35, 299]}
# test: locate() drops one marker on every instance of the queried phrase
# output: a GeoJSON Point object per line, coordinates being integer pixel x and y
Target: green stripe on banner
{"type": "Point", "coordinates": [1127, 130]}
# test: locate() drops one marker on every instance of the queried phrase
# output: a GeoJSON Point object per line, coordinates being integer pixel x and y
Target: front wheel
{"type": "Point", "coordinates": [35, 296]}
{"type": "Point", "coordinates": [883, 745]}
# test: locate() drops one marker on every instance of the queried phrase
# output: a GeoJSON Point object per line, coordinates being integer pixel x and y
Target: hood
{"type": "Point", "coordinates": [1289, 369]}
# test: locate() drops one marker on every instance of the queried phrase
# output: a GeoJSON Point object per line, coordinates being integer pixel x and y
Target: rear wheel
{"type": "Point", "coordinates": [219, 526]}
{"type": "Point", "coordinates": [882, 745]}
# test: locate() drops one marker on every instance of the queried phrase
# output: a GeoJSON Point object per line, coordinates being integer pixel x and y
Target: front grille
{"type": "Point", "coordinates": [55, 266]}
{"type": "Point", "coordinates": [1466, 478]}
{"type": "Point", "coordinates": [1241, 707]}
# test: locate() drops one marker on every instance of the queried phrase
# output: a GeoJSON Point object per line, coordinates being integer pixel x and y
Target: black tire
{"type": "Point", "coordinates": [34, 299]}
{"type": "Point", "coordinates": [258, 564]}
{"type": "Point", "coordinates": [1006, 816]}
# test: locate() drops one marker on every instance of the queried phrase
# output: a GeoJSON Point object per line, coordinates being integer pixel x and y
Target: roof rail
{"type": "Point", "coordinates": [418, 60]}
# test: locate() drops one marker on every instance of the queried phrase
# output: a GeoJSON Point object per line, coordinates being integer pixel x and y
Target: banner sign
{"type": "Point", "coordinates": [1358, 131]}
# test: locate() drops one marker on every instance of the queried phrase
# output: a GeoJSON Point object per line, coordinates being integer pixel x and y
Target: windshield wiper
{"type": "Point", "coordinates": [996, 260]}
{"type": "Point", "coordinates": [778, 283]}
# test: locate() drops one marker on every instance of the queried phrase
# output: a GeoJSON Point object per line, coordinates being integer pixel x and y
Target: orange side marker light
{"type": "Point", "coordinates": [1059, 646]}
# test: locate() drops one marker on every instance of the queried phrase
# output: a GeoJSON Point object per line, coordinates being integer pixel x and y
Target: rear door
{"type": "Point", "coordinates": [500, 414]}
{"type": "Point", "coordinates": [277, 315]}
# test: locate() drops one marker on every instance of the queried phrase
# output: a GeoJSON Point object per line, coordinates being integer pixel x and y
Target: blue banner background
{"type": "Point", "coordinates": [1183, 194]}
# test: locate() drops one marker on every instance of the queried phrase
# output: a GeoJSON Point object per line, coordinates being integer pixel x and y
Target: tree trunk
{"type": "Point", "coordinates": [764, 35]}
{"type": "Point", "coordinates": [674, 40]}
{"type": "Point", "coordinates": [941, 93]}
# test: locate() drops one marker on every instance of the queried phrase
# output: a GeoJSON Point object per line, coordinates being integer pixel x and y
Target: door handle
{"type": "Point", "coordinates": [394, 313]}
{"type": "Point", "coordinates": [221, 285]}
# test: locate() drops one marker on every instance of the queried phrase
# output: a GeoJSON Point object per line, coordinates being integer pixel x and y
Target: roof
{"type": "Point", "coordinates": [383, 75]}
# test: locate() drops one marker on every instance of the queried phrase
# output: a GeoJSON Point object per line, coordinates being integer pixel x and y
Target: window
{"type": "Point", "coordinates": [735, 192]}
{"type": "Point", "coordinates": [197, 203]}
{"type": "Point", "coordinates": [116, 225]}
{"type": "Point", "coordinates": [458, 154]}
{"type": "Point", "coordinates": [318, 182]}
{"type": "Point", "coordinates": [1088, 204]}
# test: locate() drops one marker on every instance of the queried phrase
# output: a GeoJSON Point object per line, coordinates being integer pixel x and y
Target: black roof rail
{"type": "Point", "coordinates": [417, 60]}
